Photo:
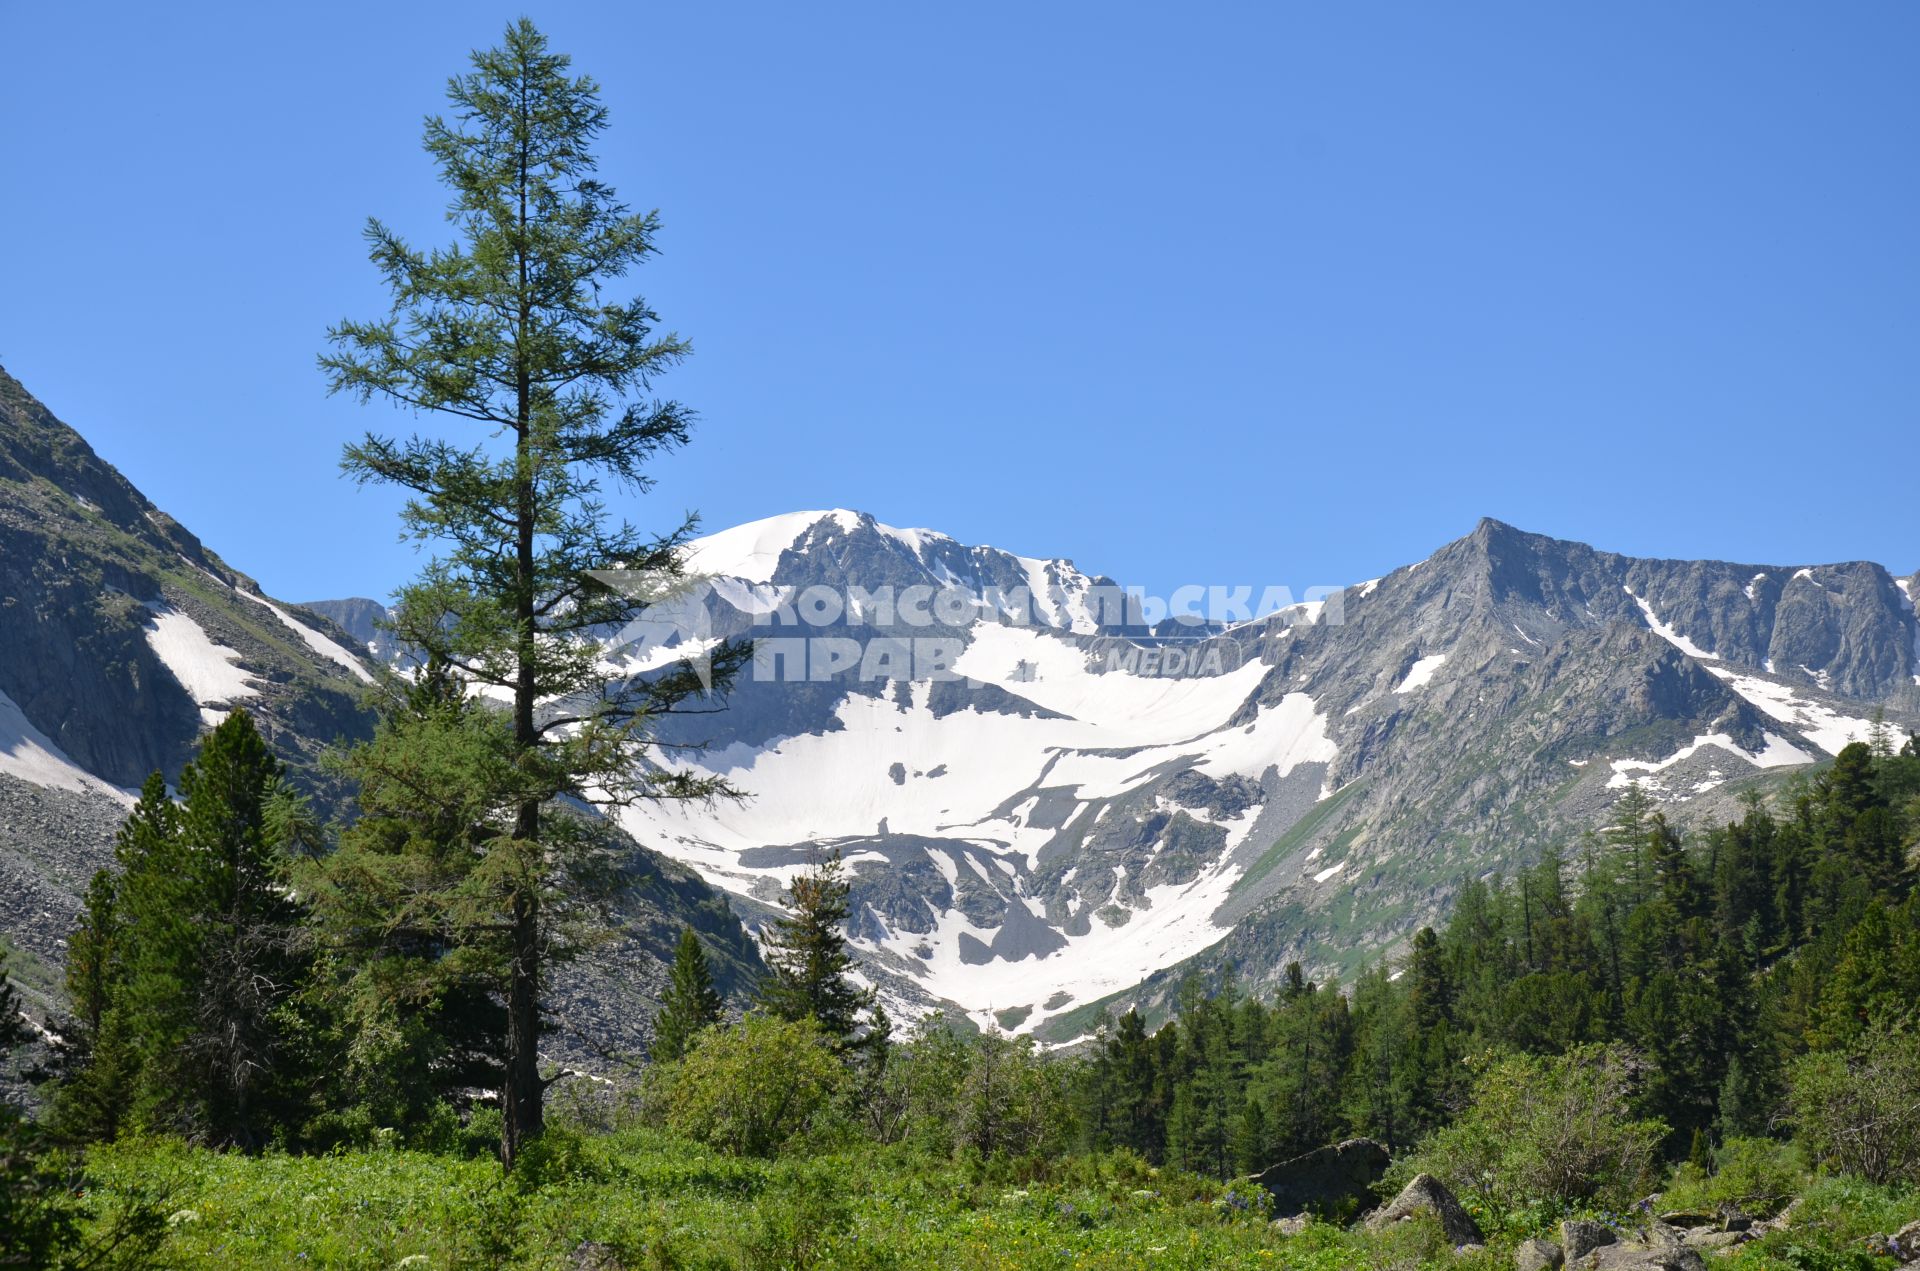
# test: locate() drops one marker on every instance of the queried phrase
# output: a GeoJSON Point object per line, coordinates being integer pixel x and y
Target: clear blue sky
{"type": "Point", "coordinates": [1224, 293]}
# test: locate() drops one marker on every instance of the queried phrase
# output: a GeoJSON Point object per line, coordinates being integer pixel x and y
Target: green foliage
{"type": "Point", "coordinates": [759, 1088]}
{"type": "Point", "coordinates": [512, 332]}
{"type": "Point", "coordinates": [1858, 1110]}
{"type": "Point", "coordinates": [185, 963]}
{"type": "Point", "coordinates": [39, 1218]}
{"type": "Point", "coordinates": [49, 1218]}
{"type": "Point", "coordinates": [690, 1004]}
{"type": "Point", "coordinates": [411, 937]}
{"type": "Point", "coordinates": [1755, 1176]}
{"type": "Point", "coordinates": [808, 956]}
{"type": "Point", "coordinates": [639, 1198]}
{"type": "Point", "coordinates": [13, 1026]}
{"type": "Point", "coordinates": [1556, 1128]}
{"type": "Point", "coordinates": [1012, 1101]}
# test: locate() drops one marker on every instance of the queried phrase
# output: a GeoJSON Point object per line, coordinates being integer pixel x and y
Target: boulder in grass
{"type": "Point", "coordinates": [1688, 1219]}
{"type": "Point", "coordinates": [1538, 1255]}
{"type": "Point", "coordinates": [1581, 1236]}
{"type": "Point", "coordinates": [1428, 1195]}
{"type": "Point", "coordinates": [1326, 1180]}
{"type": "Point", "coordinates": [1640, 1258]}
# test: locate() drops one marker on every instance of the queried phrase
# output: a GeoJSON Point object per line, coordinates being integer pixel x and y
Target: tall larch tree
{"type": "Point", "coordinates": [511, 334]}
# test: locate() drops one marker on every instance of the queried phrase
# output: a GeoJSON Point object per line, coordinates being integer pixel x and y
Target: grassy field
{"type": "Point", "coordinates": [637, 1199]}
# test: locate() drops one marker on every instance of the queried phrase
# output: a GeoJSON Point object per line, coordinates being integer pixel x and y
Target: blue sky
{"type": "Point", "coordinates": [1232, 293]}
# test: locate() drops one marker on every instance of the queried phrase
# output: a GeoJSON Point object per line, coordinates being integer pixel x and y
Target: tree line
{"type": "Point", "coordinates": [1724, 961]}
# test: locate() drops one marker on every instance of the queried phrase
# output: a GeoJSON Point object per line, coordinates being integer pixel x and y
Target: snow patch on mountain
{"type": "Point", "coordinates": [1420, 674]}
{"type": "Point", "coordinates": [30, 755]}
{"type": "Point", "coordinates": [1109, 738]}
{"type": "Point", "coordinates": [971, 779]}
{"type": "Point", "coordinates": [1778, 753]}
{"type": "Point", "coordinates": [1821, 725]}
{"type": "Point", "coordinates": [205, 669]}
{"type": "Point", "coordinates": [751, 551]}
{"type": "Point", "coordinates": [321, 644]}
{"type": "Point", "coordinates": [1825, 727]}
{"type": "Point", "coordinates": [1667, 633]}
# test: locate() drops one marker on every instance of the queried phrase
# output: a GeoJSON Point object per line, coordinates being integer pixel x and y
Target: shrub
{"type": "Point", "coordinates": [1755, 1176]}
{"type": "Point", "coordinates": [753, 1089]}
{"type": "Point", "coordinates": [797, 1223]}
{"type": "Point", "coordinates": [1858, 1110]}
{"type": "Point", "coordinates": [1547, 1128]}
{"type": "Point", "coordinates": [1012, 1101]}
{"type": "Point", "coordinates": [49, 1216]}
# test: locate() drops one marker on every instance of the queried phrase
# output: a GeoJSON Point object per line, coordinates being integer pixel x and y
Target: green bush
{"type": "Point", "coordinates": [797, 1222]}
{"type": "Point", "coordinates": [1755, 1176]}
{"type": "Point", "coordinates": [1547, 1130]}
{"type": "Point", "coordinates": [1858, 1110]}
{"type": "Point", "coordinates": [1012, 1101]}
{"type": "Point", "coordinates": [755, 1089]}
{"type": "Point", "coordinates": [50, 1216]}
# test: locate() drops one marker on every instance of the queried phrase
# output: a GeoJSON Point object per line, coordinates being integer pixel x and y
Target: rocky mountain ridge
{"type": "Point", "coordinates": [1051, 830]}
{"type": "Point", "coordinates": [1049, 804]}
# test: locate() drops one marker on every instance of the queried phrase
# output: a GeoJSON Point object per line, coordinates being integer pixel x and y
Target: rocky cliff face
{"type": "Point", "coordinates": [361, 619]}
{"type": "Point", "coordinates": [123, 634]}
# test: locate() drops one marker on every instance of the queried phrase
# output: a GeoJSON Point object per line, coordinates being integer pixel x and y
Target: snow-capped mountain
{"type": "Point", "coordinates": [1050, 799]}
{"type": "Point", "coordinates": [1062, 819]}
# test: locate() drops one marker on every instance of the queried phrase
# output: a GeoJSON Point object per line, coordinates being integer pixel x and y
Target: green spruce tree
{"type": "Point", "coordinates": [690, 1004]}
{"type": "Point", "coordinates": [13, 1025]}
{"type": "Point", "coordinates": [184, 962]}
{"type": "Point", "coordinates": [808, 957]}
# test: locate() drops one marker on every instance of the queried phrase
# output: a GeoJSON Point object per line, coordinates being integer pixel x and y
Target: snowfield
{"type": "Point", "coordinates": [208, 671]}
{"type": "Point", "coordinates": [972, 779]}
{"type": "Point", "coordinates": [27, 753]}
{"type": "Point", "coordinates": [1825, 727]}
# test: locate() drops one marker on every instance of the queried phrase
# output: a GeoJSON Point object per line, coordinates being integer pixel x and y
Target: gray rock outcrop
{"type": "Point", "coordinates": [1428, 1195]}
{"type": "Point", "coordinates": [1327, 1180]}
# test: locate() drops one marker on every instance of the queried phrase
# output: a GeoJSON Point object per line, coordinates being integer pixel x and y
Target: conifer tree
{"type": "Point", "coordinates": [510, 332]}
{"type": "Point", "coordinates": [690, 1004]}
{"type": "Point", "coordinates": [807, 955]}
{"type": "Point", "coordinates": [412, 949]}
{"type": "Point", "coordinates": [1135, 1116]}
{"type": "Point", "coordinates": [183, 961]}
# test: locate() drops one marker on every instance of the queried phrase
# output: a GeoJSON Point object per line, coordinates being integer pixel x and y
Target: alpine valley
{"type": "Point", "coordinates": [1074, 814]}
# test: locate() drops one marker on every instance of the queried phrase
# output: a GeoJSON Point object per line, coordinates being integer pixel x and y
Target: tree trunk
{"type": "Point", "coordinates": [522, 1115]}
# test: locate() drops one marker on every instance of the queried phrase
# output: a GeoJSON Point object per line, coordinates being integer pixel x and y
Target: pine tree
{"type": "Point", "coordinates": [95, 1060]}
{"type": "Point", "coordinates": [807, 955]}
{"type": "Point", "coordinates": [185, 960]}
{"type": "Point", "coordinates": [508, 332]}
{"type": "Point", "coordinates": [1432, 992]}
{"type": "Point", "coordinates": [1135, 1115]}
{"type": "Point", "coordinates": [690, 1003]}
{"type": "Point", "coordinates": [248, 960]}
{"type": "Point", "coordinates": [413, 952]}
